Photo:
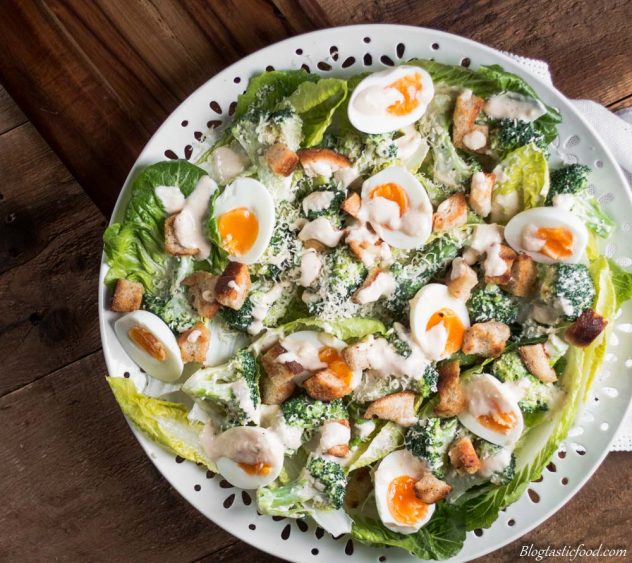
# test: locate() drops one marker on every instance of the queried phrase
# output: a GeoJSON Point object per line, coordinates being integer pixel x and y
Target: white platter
{"type": "Point", "coordinates": [346, 51]}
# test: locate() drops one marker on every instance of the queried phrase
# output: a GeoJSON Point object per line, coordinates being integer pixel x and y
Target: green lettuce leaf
{"type": "Point", "coordinates": [388, 439]}
{"type": "Point", "coordinates": [622, 282]}
{"type": "Point", "coordinates": [164, 422]}
{"type": "Point", "coordinates": [316, 103]}
{"type": "Point", "coordinates": [218, 259]}
{"type": "Point", "coordinates": [345, 329]}
{"type": "Point", "coordinates": [441, 538]}
{"type": "Point", "coordinates": [482, 509]}
{"type": "Point", "coordinates": [488, 80]}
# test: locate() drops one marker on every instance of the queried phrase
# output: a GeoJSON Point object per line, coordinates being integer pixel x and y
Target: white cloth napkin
{"type": "Point", "coordinates": [616, 132]}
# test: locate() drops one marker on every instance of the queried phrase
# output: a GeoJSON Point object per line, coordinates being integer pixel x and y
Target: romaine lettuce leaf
{"type": "Point", "coordinates": [345, 329]}
{"type": "Point", "coordinates": [622, 282]}
{"type": "Point", "coordinates": [388, 439]}
{"type": "Point", "coordinates": [164, 422]}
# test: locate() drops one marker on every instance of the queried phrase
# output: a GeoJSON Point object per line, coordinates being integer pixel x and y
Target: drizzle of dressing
{"type": "Point", "coordinates": [510, 105]}
{"type": "Point", "coordinates": [383, 286]}
{"type": "Point", "coordinates": [171, 197]}
{"type": "Point", "coordinates": [189, 224]}
{"type": "Point", "coordinates": [317, 201]}
{"type": "Point", "coordinates": [311, 265]}
{"type": "Point", "coordinates": [321, 230]}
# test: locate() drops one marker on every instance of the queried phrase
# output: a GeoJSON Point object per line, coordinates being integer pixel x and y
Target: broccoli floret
{"type": "Point", "coordinates": [509, 367]}
{"type": "Point", "coordinates": [430, 439]}
{"type": "Point", "coordinates": [427, 385]}
{"type": "Point", "coordinates": [304, 412]}
{"type": "Point", "coordinates": [567, 289]}
{"type": "Point", "coordinates": [398, 344]}
{"type": "Point", "coordinates": [321, 485]}
{"type": "Point", "coordinates": [487, 450]}
{"type": "Point", "coordinates": [490, 303]}
{"type": "Point", "coordinates": [509, 134]}
{"type": "Point", "coordinates": [234, 387]}
{"type": "Point", "coordinates": [571, 179]}
{"type": "Point", "coordinates": [239, 319]}
{"type": "Point", "coordinates": [175, 310]}
{"type": "Point", "coordinates": [308, 185]}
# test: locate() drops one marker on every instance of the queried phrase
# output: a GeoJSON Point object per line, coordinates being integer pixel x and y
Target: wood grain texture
{"type": "Point", "coordinates": [10, 115]}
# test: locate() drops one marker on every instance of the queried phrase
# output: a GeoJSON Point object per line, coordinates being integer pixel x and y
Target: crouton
{"type": "Point", "coordinates": [369, 253]}
{"type": "Point", "coordinates": [128, 295]}
{"type": "Point", "coordinates": [202, 293]}
{"type": "Point", "coordinates": [356, 356]}
{"type": "Point", "coordinates": [451, 396]}
{"type": "Point", "coordinates": [377, 284]}
{"type": "Point", "coordinates": [281, 159]}
{"type": "Point", "coordinates": [322, 162]}
{"type": "Point", "coordinates": [524, 276]}
{"type": "Point", "coordinates": [462, 279]}
{"type": "Point", "coordinates": [359, 487]}
{"type": "Point", "coordinates": [233, 285]}
{"type": "Point", "coordinates": [338, 450]}
{"type": "Point", "coordinates": [536, 360]}
{"type": "Point", "coordinates": [277, 381]}
{"type": "Point", "coordinates": [451, 213]}
{"type": "Point", "coordinates": [326, 385]}
{"type": "Point", "coordinates": [351, 205]}
{"type": "Point", "coordinates": [505, 254]}
{"type": "Point", "coordinates": [466, 111]}
{"type": "Point", "coordinates": [172, 245]}
{"type": "Point", "coordinates": [397, 407]}
{"type": "Point", "coordinates": [431, 490]}
{"type": "Point", "coordinates": [486, 339]}
{"type": "Point", "coordinates": [315, 245]}
{"type": "Point", "coordinates": [476, 139]}
{"type": "Point", "coordinates": [588, 326]}
{"type": "Point", "coordinates": [480, 197]}
{"type": "Point", "coordinates": [193, 343]}
{"type": "Point", "coordinates": [463, 456]}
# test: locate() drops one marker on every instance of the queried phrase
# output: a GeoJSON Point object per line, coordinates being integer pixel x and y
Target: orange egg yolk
{"type": "Point", "coordinates": [261, 469]}
{"type": "Point", "coordinates": [498, 421]}
{"type": "Point", "coordinates": [238, 229]}
{"type": "Point", "coordinates": [558, 242]}
{"type": "Point", "coordinates": [409, 87]}
{"type": "Point", "coordinates": [145, 340]}
{"type": "Point", "coordinates": [336, 363]}
{"type": "Point", "coordinates": [392, 192]}
{"type": "Point", "coordinates": [403, 503]}
{"type": "Point", "coordinates": [453, 326]}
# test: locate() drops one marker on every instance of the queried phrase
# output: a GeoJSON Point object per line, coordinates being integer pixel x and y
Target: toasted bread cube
{"type": "Point", "coordinates": [463, 456]}
{"type": "Point", "coordinates": [322, 162]}
{"type": "Point", "coordinates": [172, 245]}
{"type": "Point", "coordinates": [359, 487]}
{"type": "Point", "coordinates": [337, 450]}
{"type": "Point", "coordinates": [202, 293]}
{"type": "Point", "coordinates": [466, 111]}
{"type": "Point", "coordinates": [481, 193]}
{"type": "Point", "coordinates": [356, 355]}
{"type": "Point", "coordinates": [281, 159]}
{"type": "Point", "coordinates": [325, 385]}
{"type": "Point", "coordinates": [376, 285]}
{"type": "Point", "coordinates": [451, 213]}
{"type": "Point", "coordinates": [397, 407]}
{"type": "Point", "coordinates": [369, 253]}
{"type": "Point", "coordinates": [536, 360]}
{"type": "Point", "coordinates": [476, 139]}
{"type": "Point", "coordinates": [462, 279]}
{"type": "Point", "coordinates": [431, 490]}
{"type": "Point", "coordinates": [278, 379]}
{"type": "Point", "coordinates": [524, 276]}
{"type": "Point", "coordinates": [233, 285]}
{"type": "Point", "coordinates": [351, 205]}
{"type": "Point", "coordinates": [316, 245]}
{"type": "Point", "coordinates": [193, 343]}
{"type": "Point", "coordinates": [127, 297]}
{"type": "Point", "coordinates": [451, 396]}
{"type": "Point", "coordinates": [505, 254]}
{"type": "Point", "coordinates": [588, 326]}
{"type": "Point", "coordinates": [486, 339]}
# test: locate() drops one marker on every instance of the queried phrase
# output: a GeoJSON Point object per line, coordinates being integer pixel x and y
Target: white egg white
{"type": "Point", "coordinates": [485, 395]}
{"type": "Point", "coordinates": [370, 99]}
{"type": "Point", "coordinates": [413, 228]}
{"type": "Point", "coordinates": [397, 464]}
{"type": "Point", "coordinates": [429, 300]}
{"type": "Point", "coordinates": [247, 445]}
{"type": "Point", "coordinates": [253, 195]}
{"type": "Point", "coordinates": [547, 217]}
{"type": "Point", "coordinates": [167, 370]}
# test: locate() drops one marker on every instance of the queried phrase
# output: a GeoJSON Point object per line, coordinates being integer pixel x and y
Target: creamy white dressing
{"type": "Point", "coordinates": [241, 391]}
{"type": "Point", "coordinates": [322, 167]}
{"type": "Point", "coordinates": [484, 238]}
{"type": "Point", "coordinates": [494, 265]}
{"type": "Point", "coordinates": [495, 463]}
{"type": "Point", "coordinates": [529, 238]}
{"type": "Point", "coordinates": [189, 224]}
{"type": "Point", "coordinates": [194, 336]}
{"type": "Point", "coordinates": [518, 388]}
{"type": "Point", "coordinates": [332, 434]}
{"type": "Point", "coordinates": [505, 205]}
{"type": "Point", "coordinates": [360, 232]}
{"type": "Point", "coordinates": [564, 201]}
{"type": "Point", "coordinates": [459, 268]}
{"type": "Point", "coordinates": [383, 286]}
{"type": "Point", "coordinates": [412, 148]}
{"type": "Point", "coordinates": [227, 163]}
{"type": "Point", "coordinates": [321, 230]}
{"type": "Point", "coordinates": [311, 265]}
{"type": "Point", "coordinates": [375, 100]}
{"type": "Point", "coordinates": [262, 306]}
{"type": "Point", "coordinates": [302, 352]}
{"type": "Point", "coordinates": [234, 285]}
{"type": "Point", "coordinates": [317, 201]}
{"type": "Point", "coordinates": [474, 140]}
{"type": "Point", "coordinates": [481, 194]}
{"type": "Point", "coordinates": [273, 420]}
{"type": "Point", "coordinates": [435, 341]}
{"type": "Point", "coordinates": [346, 176]}
{"type": "Point", "coordinates": [383, 213]}
{"type": "Point", "coordinates": [243, 444]}
{"type": "Point", "coordinates": [483, 398]}
{"type": "Point", "coordinates": [171, 197]}
{"type": "Point", "coordinates": [510, 105]}
{"type": "Point", "coordinates": [364, 429]}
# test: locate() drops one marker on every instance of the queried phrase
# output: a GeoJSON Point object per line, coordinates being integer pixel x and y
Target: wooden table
{"type": "Point", "coordinates": [87, 83]}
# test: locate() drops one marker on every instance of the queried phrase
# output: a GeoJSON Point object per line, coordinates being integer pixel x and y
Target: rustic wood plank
{"type": "Point", "coordinates": [76, 485]}
{"type": "Point", "coordinates": [50, 248]}
{"type": "Point", "coordinates": [10, 114]}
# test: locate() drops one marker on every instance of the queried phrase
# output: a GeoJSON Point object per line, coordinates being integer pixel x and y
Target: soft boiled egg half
{"type": "Point", "coordinates": [248, 457]}
{"type": "Point", "coordinates": [318, 350]}
{"type": "Point", "coordinates": [492, 411]}
{"type": "Point", "coordinates": [397, 504]}
{"type": "Point", "coordinates": [397, 207]}
{"type": "Point", "coordinates": [151, 344]}
{"type": "Point", "coordinates": [390, 100]}
{"type": "Point", "coordinates": [245, 219]}
{"type": "Point", "coordinates": [548, 235]}
{"type": "Point", "coordinates": [438, 321]}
